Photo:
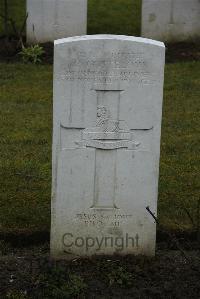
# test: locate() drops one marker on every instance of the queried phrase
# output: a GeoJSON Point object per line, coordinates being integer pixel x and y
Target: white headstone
{"type": "Point", "coordinates": [171, 20]}
{"type": "Point", "coordinates": [53, 19]}
{"type": "Point", "coordinates": [108, 93]}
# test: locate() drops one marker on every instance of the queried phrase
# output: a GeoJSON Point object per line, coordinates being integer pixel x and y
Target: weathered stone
{"type": "Point", "coordinates": [171, 20]}
{"type": "Point", "coordinates": [52, 19]}
{"type": "Point", "coordinates": [108, 93]}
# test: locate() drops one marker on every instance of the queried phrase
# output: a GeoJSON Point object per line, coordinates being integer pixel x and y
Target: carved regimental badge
{"type": "Point", "coordinates": [108, 133]}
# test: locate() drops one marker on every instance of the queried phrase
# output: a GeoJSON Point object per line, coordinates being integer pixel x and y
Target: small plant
{"type": "Point", "coordinates": [73, 288]}
{"type": "Point", "coordinates": [4, 247]}
{"type": "Point", "coordinates": [32, 54]}
{"type": "Point", "coordinates": [16, 295]}
{"type": "Point", "coordinates": [120, 276]}
{"type": "Point", "coordinates": [58, 283]}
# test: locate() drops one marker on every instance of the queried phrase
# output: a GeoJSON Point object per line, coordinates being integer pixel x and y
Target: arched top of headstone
{"type": "Point", "coordinates": [91, 66]}
{"type": "Point", "coordinates": [109, 37]}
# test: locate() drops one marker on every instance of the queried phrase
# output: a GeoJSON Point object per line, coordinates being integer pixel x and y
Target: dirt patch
{"type": "Point", "coordinates": [26, 238]}
{"type": "Point", "coordinates": [26, 271]}
{"type": "Point", "coordinates": [9, 49]}
{"type": "Point", "coordinates": [177, 52]}
{"type": "Point", "coordinates": [183, 51]}
{"type": "Point", "coordinates": [30, 273]}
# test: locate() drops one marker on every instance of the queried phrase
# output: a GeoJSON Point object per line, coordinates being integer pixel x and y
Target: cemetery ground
{"type": "Point", "coordinates": [26, 125]}
{"type": "Point", "coordinates": [25, 157]}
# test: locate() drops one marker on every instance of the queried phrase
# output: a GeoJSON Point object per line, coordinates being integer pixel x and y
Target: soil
{"type": "Point", "coordinates": [168, 275]}
{"type": "Point", "coordinates": [173, 273]}
{"type": "Point", "coordinates": [182, 51]}
{"type": "Point", "coordinates": [176, 52]}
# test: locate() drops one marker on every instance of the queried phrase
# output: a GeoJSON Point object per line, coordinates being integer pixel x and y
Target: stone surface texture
{"type": "Point", "coordinates": [108, 93]}
{"type": "Point", "coordinates": [171, 20]}
{"type": "Point", "coordinates": [49, 20]}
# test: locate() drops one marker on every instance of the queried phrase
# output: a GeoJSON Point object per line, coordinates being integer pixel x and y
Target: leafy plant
{"type": "Point", "coordinates": [4, 247]}
{"type": "Point", "coordinates": [32, 54]}
{"type": "Point", "coordinates": [16, 295]}
{"type": "Point", "coordinates": [74, 287]}
{"type": "Point", "coordinates": [58, 283]}
{"type": "Point", "coordinates": [120, 276]}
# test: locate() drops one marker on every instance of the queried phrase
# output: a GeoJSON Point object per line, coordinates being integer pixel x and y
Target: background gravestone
{"type": "Point", "coordinates": [52, 19]}
{"type": "Point", "coordinates": [108, 93]}
{"type": "Point", "coordinates": [171, 20]}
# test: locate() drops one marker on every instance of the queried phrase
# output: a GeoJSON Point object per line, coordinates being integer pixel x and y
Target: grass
{"type": "Point", "coordinates": [180, 159]}
{"type": "Point", "coordinates": [25, 146]}
{"type": "Point", "coordinates": [26, 125]}
{"type": "Point", "coordinates": [104, 16]}
{"type": "Point", "coordinates": [114, 17]}
{"type": "Point", "coordinates": [25, 138]}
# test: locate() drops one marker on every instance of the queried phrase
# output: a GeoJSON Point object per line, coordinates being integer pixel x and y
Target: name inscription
{"type": "Point", "coordinates": [120, 66]}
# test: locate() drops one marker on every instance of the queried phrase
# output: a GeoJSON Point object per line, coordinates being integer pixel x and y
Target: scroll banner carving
{"type": "Point", "coordinates": [108, 134]}
{"type": "Point", "coordinates": [108, 145]}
